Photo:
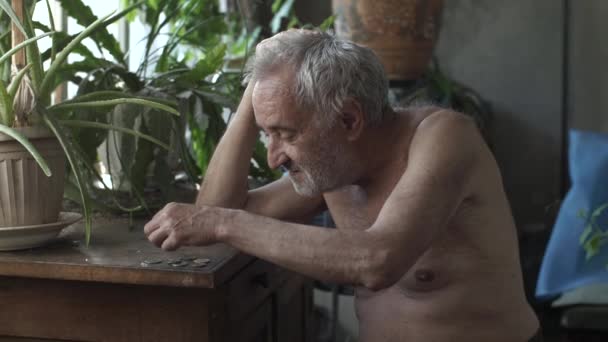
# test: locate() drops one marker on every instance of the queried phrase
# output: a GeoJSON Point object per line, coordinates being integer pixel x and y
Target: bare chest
{"type": "Point", "coordinates": [352, 207]}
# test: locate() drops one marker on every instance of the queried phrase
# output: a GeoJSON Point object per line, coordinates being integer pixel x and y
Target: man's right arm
{"type": "Point", "coordinates": [226, 181]}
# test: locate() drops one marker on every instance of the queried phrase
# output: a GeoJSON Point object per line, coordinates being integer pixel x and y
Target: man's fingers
{"type": "Point", "coordinates": [157, 219]}
{"type": "Point", "coordinates": [158, 236]}
{"type": "Point", "coordinates": [150, 227]}
{"type": "Point", "coordinates": [154, 223]}
{"type": "Point", "coordinates": [170, 243]}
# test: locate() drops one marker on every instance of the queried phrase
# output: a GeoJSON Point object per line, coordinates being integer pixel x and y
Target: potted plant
{"type": "Point", "coordinates": [38, 120]}
{"type": "Point", "coordinates": [402, 33]}
{"type": "Point", "coordinates": [194, 69]}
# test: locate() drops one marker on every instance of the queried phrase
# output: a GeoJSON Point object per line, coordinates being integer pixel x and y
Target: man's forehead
{"type": "Point", "coordinates": [273, 85]}
{"type": "Point", "coordinates": [277, 118]}
{"type": "Point", "coordinates": [274, 103]}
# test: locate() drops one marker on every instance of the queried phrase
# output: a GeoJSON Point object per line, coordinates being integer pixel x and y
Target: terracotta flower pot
{"type": "Point", "coordinates": [27, 195]}
{"type": "Point", "coordinates": [402, 33]}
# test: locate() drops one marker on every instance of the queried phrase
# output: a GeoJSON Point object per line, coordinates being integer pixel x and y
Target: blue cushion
{"type": "Point", "coordinates": [564, 265]}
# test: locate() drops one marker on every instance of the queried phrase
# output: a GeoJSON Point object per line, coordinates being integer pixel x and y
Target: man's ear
{"type": "Point", "coordinates": [352, 119]}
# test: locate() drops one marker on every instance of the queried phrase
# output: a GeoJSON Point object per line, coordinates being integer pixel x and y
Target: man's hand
{"type": "Point", "coordinates": [179, 224]}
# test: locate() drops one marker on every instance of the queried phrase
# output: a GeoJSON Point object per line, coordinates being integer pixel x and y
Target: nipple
{"type": "Point", "coordinates": [424, 275]}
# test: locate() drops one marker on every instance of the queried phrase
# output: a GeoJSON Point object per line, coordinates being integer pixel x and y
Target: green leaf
{"type": "Point", "coordinates": [60, 41]}
{"type": "Point", "coordinates": [7, 114]}
{"type": "Point", "coordinates": [52, 22]}
{"type": "Point", "coordinates": [70, 154]}
{"type": "Point", "coordinates": [112, 95]}
{"type": "Point", "coordinates": [211, 63]}
{"type": "Point", "coordinates": [8, 9]}
{"type": "Point", "coordinates": [33, 56]}
{"type": "Point", "coordinates": [592, 246]}
{"type": "Point", "coordinates": [276, 5]}
{"type": "Point", "coordinates": [28, 146]}
{"type": "Point", "coordinates": [114, 102]}
{"type": "Point", "coordinates": [187, 160]}
{"type": "Point", "coordinates": [582, 214]}
{"type": "Point", "coordinates": [99, 125]}
{"type": "Point", "coordinates": [40, 26]}
{"type": "Point", "coordinates": [154, 4]}
{"type": "Point", "coordinates": [197, 122]}
{"type": "Point", "coordinates": [131, 15]}
{"type": "Point", "coordinates": [62, 56]}
{"type": "Point", "coordinates": [293, 22]}
{"type": "Point", "coordinates": [244, 43]}
{"type": "Point", "coordinates": [216, 97]}
{"type": "Point", "coordinates": [598, 211]}
{"type": "Point", "coordinates": [85, 17]}
{"type": "Point", "coordinates": [283, 12]}
{"type": "Point", "coordinates": [120, 148]}
{"type": "Point", "coordinates": [19, 46]}
{"type": "Point", "coordinates": [204, 35]}
{"type": "Point", "coordinates": [107, 70]}
{"type": "Point", "coordinates": [159, 126]}
{"type": "Point", "coordinates": [327, 23]}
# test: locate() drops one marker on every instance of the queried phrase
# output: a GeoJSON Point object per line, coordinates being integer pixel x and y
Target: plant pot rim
{"type": "Point", "coordinates": [30, 132]}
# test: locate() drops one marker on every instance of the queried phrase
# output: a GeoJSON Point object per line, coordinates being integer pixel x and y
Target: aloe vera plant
{"type": "Point", "coordinates": [41, 112]}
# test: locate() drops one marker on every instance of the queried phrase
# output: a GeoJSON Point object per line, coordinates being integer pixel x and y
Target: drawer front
{"type": "Point", "coordinates": [252, 286]}
{"type": "Point", "coordinates": [257, 327]}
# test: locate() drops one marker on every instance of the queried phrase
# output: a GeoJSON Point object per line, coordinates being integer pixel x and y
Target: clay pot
{"type": "Point", "coordinates": [27, 195]}
{"type": "Point", "coordinates": [402, 33]}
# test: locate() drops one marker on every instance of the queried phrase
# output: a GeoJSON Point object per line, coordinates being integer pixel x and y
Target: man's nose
{"type": "Point", "coordinates": [276, 156]}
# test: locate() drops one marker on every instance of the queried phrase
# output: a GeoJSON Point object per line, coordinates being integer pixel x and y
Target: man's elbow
{"type": "Point", "coordinates": [380, 271]}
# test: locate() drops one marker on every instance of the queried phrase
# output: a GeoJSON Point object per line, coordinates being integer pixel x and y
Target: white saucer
{"type": "Point", "coordinates": [23, 237]}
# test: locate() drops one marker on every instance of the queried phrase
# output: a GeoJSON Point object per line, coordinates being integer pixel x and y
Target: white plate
{"type": "Point", "coordinates": [23, 237]}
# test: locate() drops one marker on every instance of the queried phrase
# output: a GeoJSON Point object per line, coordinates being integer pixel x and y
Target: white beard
{"type": "Point", "coordinates": [332, 169]}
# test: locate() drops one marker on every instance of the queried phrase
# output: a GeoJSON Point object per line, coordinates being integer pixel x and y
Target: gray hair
{"type": "Point", "coordinates": [328, 71]}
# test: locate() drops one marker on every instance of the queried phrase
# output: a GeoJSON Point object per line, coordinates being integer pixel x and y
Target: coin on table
{"type": "Point", "coordinates": [152, 262]}
{"type": "Point", "coordinates": [179, 264]}
{"type": "Point", "coordinates": [201, 261]}
{"type": "Point", "coordinates": [188, 258]}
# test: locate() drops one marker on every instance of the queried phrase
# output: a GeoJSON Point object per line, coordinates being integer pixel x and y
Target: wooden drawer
{"type": "Point", "coordinates": [251, 287]}
{"type": "Point", "coordinates": [257, 327]}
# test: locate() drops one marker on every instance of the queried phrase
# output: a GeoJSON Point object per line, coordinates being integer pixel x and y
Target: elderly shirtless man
{"type": "Point", "coordinates": [425, 233]}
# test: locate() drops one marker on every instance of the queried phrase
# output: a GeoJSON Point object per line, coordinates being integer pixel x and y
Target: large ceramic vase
{"type": "Point", "coordinates": [402, 33]}
{"type": "Point", "coordinates": [27, 196]}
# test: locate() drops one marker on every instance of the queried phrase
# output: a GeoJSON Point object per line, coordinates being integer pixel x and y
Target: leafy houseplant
{"type": "Point", "coordinates": [188, 69]}
{"type": "Point", "coordinates": [193, 69]}
{"type": "Point", "coordinates": [197, 67]}
{"type": "Point", "coordinates": [42, 116]}
{"type": "Point", "coordinates": [593, 236]}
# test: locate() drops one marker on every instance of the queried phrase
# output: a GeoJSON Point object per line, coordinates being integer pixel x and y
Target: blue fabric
{"type": "Point", "coordinates": [564, 266]}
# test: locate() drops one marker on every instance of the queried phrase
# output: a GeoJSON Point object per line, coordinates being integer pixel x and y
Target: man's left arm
{"type": "Point", "coordinates": [441, 156]}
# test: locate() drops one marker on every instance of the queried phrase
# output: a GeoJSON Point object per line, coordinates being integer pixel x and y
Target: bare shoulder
{"type": "Point", "coordinates": [446, 144]}
{"type": "Point", "coordinates": [425, 117]}
{"type": "Point", "coordinates": [436, 126]}
{"type": "Point", "coordinates": [437, 118]}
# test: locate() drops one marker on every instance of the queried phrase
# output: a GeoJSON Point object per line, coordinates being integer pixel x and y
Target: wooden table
{"type": "Point", "coordinates": [106, 292]}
